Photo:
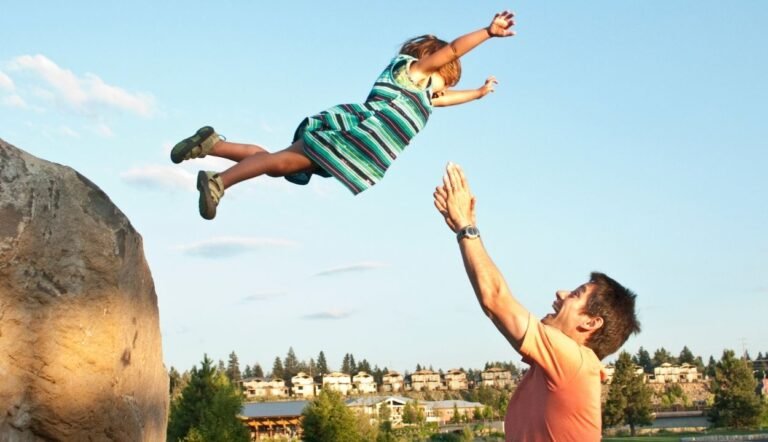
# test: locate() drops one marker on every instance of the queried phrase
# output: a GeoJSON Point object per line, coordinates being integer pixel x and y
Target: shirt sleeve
{"type": "Point", "coordinates": [558, 355]}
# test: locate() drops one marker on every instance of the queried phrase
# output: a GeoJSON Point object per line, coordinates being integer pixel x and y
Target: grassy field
{"type": "Point", "coordinates": [675, 437]}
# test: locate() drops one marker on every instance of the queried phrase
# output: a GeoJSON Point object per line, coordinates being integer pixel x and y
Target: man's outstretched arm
{"type": "Point", "coordinates": [456, 203]}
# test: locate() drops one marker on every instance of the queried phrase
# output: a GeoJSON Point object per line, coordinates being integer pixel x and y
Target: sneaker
{"type": "Point", "coordinates": [211, 190]}
{"type": "Point", "coordinates": [197, 146]}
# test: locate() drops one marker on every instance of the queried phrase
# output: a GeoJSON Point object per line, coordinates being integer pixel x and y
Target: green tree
{"type": "Point", "coordinates": [233, 369]}
{"type": "Point", "coordinates": [736, 404]}
{"type": "Point", "coordinates": [257, 371]}
{"type": "Point", "coordinates": [247, 373]}
{"type": "Point", "coordinates": [662, 356]}
{"type": "Point", "coordinates": [290, 365]}
{"type": "Point", "coordinates": [643, 359]}
{"type": "Point", "coordinates": [456, 418]}
{"type": "Point", "coordinates": [686, 356]}
{"type": "Point", "coordinates": [322, 364]}
{"type": "Point", "coordinates": [385, 424]}
{"type": "Point", "coordinates": [278, 372]}
{"type": "Point", "coordinates": [629, 399]}
{"type": "Point", "coordinates": [327, 418]}
{"type": "Point", "coordinates": [711, 367]}
{"type": "Point", "coordinates": [207, 409]}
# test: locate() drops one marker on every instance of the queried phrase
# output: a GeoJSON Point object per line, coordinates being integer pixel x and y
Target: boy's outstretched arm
{"type": "Point", "coordinates": [499, 27]}
{"type": "Point", "coordinates": [452, 98]}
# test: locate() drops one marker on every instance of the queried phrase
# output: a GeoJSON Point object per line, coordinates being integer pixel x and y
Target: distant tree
{"type": "Point", "coordinates": [207, 409]}
{"type": "Point", "coordinates": [352, 364]}
{"type": "Point", "coordinates": [378, 374]}
{"type": "Point", "coordinates": [174, 379]}
{"type": "Point", "coordinates": [736, 404]}
{"type": "Point", "coordinates": [711, 367]}
{"type": "Point", "coordinates": [662, 356]}
{"type": "Point", "coordinates": [629, 399]}
{"type": "Point", "coordinates": [699, 363]}
{"type": "Point", "coordinates": [412, 413]}
{"type": "Point", "coordinates": [257, 371]}
{"type": "Point", "coordinates": [327, 418]}
{"type": "Point", "coordinates": [221, 367]}
{"type": "Point", "coordinates": [278, 372]}
{"type": "Point", "coordinates": [247, 373]}
{"type": "Point", "coordinates": [643, 359]}
{"type": "Point", "coordinates": [346, 366]}
{"type": "Point", "coordinates": [290, 365]}
{"type": "Point", "coordinates": [322, 365]}
{"type": "Point", "coordinates": [233, 369]}
{"type": "Point", "coordinates": [418, 367]}
{"type": "Point", "coordinates": [456, 418]}
{"type": "Point", "coordinates": [385, 424]}
{"type": "Point", "coordinates": [686, 356]}
{"type": "Point", "coordinates": [364, 365]}
{"type": "Point", "coordinates": [312, 367]}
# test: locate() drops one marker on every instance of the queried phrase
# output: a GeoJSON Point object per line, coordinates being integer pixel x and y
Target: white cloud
{"type": "Point", "coordinates": [6, 82]}
{"type": "Point", "coordinates": [261, 296]}
{"type": "Point", "coordinates": [103, 129]}
{"type": "Point", "coordinates": [328, 314]}
{"type": "Point", "coordinates": [66, 130]}
{"type": "Point", "coordinates": [15, 101]}
{"type": "Point", "coordinates": [84, 94]}
{"type": "Point", "coordinates": [226, 247]}
{"type": "Point", "coordinates": [160, 177]}
{"type": "Point", "coordinates": [357, 267]}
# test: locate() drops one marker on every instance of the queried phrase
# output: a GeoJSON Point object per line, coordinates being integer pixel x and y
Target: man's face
{"type": "Point", "coordinates": [569, 306]}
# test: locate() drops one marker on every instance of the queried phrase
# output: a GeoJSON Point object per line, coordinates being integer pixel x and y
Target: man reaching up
{"type": "Point", "coordinates": [558, 399]}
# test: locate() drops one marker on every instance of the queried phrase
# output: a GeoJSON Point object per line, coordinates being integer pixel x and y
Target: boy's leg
{"type": "Point", "coordinates": [287, 161]}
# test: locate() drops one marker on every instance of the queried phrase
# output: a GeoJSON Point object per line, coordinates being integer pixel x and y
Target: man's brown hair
{"type": "Point", "coordinates": [424, 45]}
{"type": "Point", "coordinates": [616, 305]}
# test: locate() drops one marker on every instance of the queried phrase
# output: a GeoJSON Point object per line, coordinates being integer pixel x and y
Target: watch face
{"type": "Point", "coordinates": [472, 232]}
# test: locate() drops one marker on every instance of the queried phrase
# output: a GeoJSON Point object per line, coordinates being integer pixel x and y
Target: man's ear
{"type": "Point", "coordinates": [593, 323]}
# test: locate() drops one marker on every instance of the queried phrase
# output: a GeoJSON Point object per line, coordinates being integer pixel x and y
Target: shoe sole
{"type": "Point", "coordinates": [205, 204]}
{"type": "Point", "coordinates": [185, 146]}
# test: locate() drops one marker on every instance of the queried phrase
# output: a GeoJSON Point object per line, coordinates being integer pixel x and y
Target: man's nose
{"type": "Point", "coordinates": [561, 294]}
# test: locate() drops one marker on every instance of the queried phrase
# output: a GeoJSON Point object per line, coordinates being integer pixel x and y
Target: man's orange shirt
{"type": "Point", "coordinates": [559, 397]}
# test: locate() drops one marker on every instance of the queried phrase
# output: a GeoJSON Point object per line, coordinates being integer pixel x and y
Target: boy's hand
{"type": "Point", "coordinates": [488, 87]}
{"type": "Point", "coordinates": [454, 200]}
{"type": "Point", "coordinates": [500, 25]}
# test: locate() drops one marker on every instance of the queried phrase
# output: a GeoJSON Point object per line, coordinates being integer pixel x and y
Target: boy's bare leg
{"type": "Point", "coordinates": [235, 151]}
{"type": "Point", "coordinates": [285, 162]}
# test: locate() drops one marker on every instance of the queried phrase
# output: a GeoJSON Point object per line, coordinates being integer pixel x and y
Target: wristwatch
{"type": "Point", "coordinates": [469, 232]}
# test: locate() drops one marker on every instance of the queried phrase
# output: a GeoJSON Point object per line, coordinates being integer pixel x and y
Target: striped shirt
{"type": "Point", "coordinates": [356, 143]}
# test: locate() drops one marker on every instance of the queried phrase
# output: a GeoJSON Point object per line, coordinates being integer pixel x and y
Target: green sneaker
{"type": "Point", "coordinates": [211, 190]}
{"type": "Point", "coordinates": [197, 146]}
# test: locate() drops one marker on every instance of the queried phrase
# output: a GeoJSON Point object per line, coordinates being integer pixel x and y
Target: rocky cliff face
{"type": "Point", "coordinates": [80, 349]}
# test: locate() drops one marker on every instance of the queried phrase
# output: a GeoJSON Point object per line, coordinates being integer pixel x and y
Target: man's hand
{"type": "Point", "coordinates": [500, 25]}
{"type": "Point", "coordinates": [454, 200]}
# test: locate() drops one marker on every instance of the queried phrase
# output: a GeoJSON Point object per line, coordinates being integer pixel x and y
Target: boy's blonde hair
{"type": "Point", "coordinates": [427, 44]}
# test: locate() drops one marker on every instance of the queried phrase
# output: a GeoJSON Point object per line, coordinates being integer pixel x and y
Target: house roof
{"type": "Point", "coordinates": [375, 400]}
{"type": "Point", "coordinates": [273, 409]}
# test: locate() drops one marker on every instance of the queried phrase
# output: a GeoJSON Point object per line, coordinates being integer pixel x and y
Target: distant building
{"type": "Point", "coordinates": [273, 419]}
{"type": "Point", "coordinates": [496, 378]}
{"type": "Point", "coordinates": [372, 407]}
{"type": "Point", "coordinates": [255, 388]}
{"type": "Point", "coordinates": [444, 411]}
{"type": "Point", "coordinates": [425, 380]}
{"type": "Point", "coordinates": [668, 373]}
{"type": "Point", "coordinates": [456, 380]}
{"type": "Point", "coordinates": [303, 386]}
{"type": "Point", "coordinates": [338, 382]}
{"type": "Point", "coordinates": [392, 382]}
{"type": "Point", "coordinates": [363, 383]}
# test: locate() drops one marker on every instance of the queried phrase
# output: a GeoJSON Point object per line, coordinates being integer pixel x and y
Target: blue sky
{"type": "Point", "coordinates": [626, 137]}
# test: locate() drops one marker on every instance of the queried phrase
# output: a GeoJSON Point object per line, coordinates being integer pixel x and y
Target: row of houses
{"type": "Point", "coordinates": [665, 374]}
{"type": "Point", "coordinates": [283, 418]}
{"type": "Point", "coordinates": [306, 386]}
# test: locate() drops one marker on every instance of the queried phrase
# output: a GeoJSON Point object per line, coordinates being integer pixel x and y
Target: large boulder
{"type": "Point", "coordinates": [80, 350]}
